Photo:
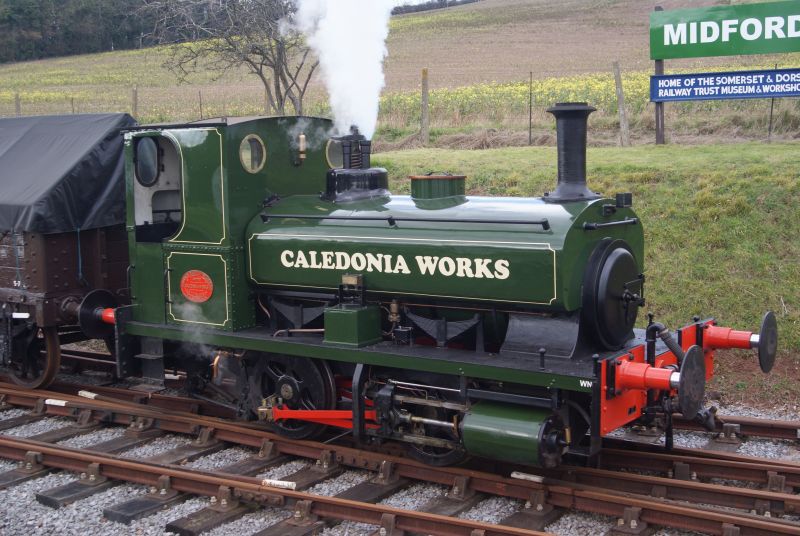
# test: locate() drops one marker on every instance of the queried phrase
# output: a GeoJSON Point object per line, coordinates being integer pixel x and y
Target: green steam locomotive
{"type": "Point", "coordinates": [270, 262]}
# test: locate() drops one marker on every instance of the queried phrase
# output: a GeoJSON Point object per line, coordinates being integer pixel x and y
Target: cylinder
{"type": "Point", "coordinates": [514, 434]}
{"type": "Point", "coordinates": [571, 126]}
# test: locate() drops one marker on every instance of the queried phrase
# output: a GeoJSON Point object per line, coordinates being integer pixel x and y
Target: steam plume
{"type": "Point", "coordinates": [349, 38]}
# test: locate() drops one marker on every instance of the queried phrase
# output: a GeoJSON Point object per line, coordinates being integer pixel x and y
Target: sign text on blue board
{"type": "Point", "coordinates": [730, 85]}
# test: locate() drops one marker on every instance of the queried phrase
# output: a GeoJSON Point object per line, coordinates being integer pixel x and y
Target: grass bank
{"type": "Point", "coordinates": [721, 222]}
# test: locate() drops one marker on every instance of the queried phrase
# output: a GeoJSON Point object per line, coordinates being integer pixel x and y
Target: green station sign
{"type": "Point", "coordinates": [764, 28]}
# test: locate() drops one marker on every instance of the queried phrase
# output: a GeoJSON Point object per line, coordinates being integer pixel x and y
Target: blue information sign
{"type": "Point", "coordinates": [730, 85]}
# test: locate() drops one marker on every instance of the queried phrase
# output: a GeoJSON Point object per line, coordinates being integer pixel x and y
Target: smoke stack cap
{"type": "Point", "coordinates": [572, 107]}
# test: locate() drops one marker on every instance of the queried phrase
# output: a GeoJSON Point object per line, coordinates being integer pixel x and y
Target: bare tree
{"type": "Point", "coordinates": [222, 35]}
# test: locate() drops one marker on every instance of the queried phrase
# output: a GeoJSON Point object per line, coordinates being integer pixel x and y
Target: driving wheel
{"type": "Point", "coordinates": [299, 383]}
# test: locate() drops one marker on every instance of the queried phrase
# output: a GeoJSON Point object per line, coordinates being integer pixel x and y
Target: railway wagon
{"type": "Point", "coordinates": [271, 263]}
{"type": "Point", "coordinates": [62, 234]}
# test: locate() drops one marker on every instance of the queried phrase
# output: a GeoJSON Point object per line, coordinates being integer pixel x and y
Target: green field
{"type": "Point", "coordinates": [721, 222]}
{"type": "Point", "coordinates": [479, 83]}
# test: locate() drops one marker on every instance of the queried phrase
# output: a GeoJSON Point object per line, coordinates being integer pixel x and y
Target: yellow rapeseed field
{"type": "Point", "coordinates": [503, 103]}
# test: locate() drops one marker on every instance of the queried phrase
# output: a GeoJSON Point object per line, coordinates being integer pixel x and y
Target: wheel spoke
{"type": "Point", "coordinates": [309, 382]}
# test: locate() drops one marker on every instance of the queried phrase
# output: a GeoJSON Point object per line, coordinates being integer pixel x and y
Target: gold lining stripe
{"type": "Point", "coordinates": [183, 185]}
{"type": "Point", "coordinates": [225, 277]}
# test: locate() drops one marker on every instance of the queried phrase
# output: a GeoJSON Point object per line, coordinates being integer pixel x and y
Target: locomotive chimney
{"type": "Point", "coordinates": [366, 148]}
{"type": "Point", "coordinates": [571, 120]}
{"type": "Point", "coordinates": [347, 153]}
{"type": "Point", "coordinates": [356, 150]}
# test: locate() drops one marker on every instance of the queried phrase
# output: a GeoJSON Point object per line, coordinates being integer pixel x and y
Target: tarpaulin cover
{"type": "Point", "coordinates": [62, 173]}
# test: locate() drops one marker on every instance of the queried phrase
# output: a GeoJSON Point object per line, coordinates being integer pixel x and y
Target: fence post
{"type": "Point", "coordinates": [72, 104]}
{"type": "Point", "coordinates": [530, 110]}
{"type": "Point", "coordinates": [771, 111]}
{"type": "Point", "coordinates": [624, 131]}
{"type": "Point", "coordinates": [659, 70]}
{"type": "Point", "coordinates": [17, 105]}
{"type": "Point", "coordinates": [200, 96]}
{"type": "Point", "coordinates": [135, 101]}
{"type": "Point", "coordinates": [424, 131]}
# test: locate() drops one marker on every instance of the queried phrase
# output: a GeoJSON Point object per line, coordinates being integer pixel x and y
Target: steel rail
{"type": "Point", "coordinates": [155, 400]}
{"type": "Point", "coordinates": [753, 470]}
{"type": "Point", "coordinates": [748, 426]}
{"type": "Point", "coordinates": [773, 501]}
{"type": "Point", "coordinates": [638, 447]}
{"type": "Point", "coordinates": [558, 493]}
{"type": "Point", "coordinates": [93, 360]}
{"type": "Point", "coordinates": [242, 487]}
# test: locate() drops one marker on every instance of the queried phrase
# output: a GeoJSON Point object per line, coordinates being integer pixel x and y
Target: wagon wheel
{"type": "Point", "coordinates": [30, 366]}
{"type": "Point", "coordinates": [300, 382]}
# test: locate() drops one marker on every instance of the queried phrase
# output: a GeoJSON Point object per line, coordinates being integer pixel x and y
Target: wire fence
{"type": "Point", "coordinates": [511, 105]}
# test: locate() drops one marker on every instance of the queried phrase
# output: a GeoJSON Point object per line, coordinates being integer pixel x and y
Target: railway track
{"type": "Point", "coordinates": [670, 495]}
{"type": "Point", "coordinates": [728, 426]}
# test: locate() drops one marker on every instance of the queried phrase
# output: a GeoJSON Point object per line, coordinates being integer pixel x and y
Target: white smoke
{"type": "Point", "coordinates": [349, 38]}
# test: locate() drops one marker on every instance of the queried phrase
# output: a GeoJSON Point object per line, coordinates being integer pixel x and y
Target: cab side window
{"type": "Point", "coordinates": [158, 205]}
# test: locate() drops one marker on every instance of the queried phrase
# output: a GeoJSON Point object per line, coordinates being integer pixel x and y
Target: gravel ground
{"type": "Point", "coordinates": [12, 413]}
{"type": "Point", "coordinates": [585, 524]}
{"type": "Point", "coordinates": [492, 510]}
{"type": "Point", "coordinates": [410, 498]}
{"type": "Point", "coordinates": [332, 486]}
{"type": "Point", "coordinates": [415, 496]}
{"type": "Point", "coordinates": [220, 459]}
{"type": "Point", "coordinates": [350, 529]}
{"type": "Point", "coordinates": [23, 515]}
{"type": "Point", "coordinates": [93, 438]}
{"type": "Point", "coordinates": [154, 524]}
{"type": "Point", "coordinates": [89, 377]}
{"type": "Point", "coordinates": [282, 471]}
{"type": "Point", "coordinates": [156, 447]}
{"type": "Point", "coordinates": [690, 440]}
{"type": "Point", "coordinates": [764, 448]}
{"type": "Point", "coordinates": [780, 413]}
{"type": "Point", "coordinates": [580, 524]}
{"type": "Point", "coordinates": [7, 465]}
{"type": "Point", "coordinates": [251, 523]}
{"type": "Point", "coordinates": [38, 427]}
